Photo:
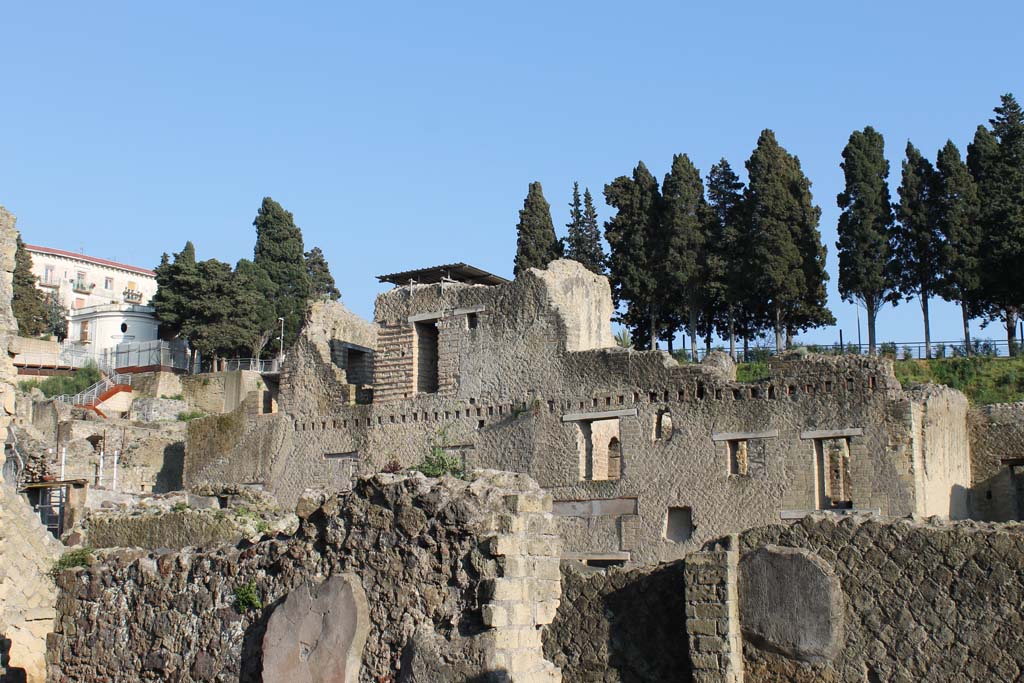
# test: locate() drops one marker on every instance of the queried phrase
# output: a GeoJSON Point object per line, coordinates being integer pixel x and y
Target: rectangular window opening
{"type": "Point", "coordinates": [832, 474]}
{"type": "Point", "coordinates": [679, 524]}
{"type": "Point", "coordinates": [426, 356]}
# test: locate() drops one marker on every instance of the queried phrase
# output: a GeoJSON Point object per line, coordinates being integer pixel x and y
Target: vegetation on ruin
{"type": "Point", "coordinates": [246, 597]}
{"type": "Point", "coordinates": [57, 385]}
{"type": "Point", "coordinates": [79, 557]}
{"type": "Point", "coordinates": [438, 462]}
{"type": "Point", "coordinates": [187, 415]}
{"type": "Point", "coordinates": [752, 372]}
{"type": "Point", "coordinates": [983, 379]}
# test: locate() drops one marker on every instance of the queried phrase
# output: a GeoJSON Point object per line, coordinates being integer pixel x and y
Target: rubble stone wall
{"type": "Point", "coordinates": [919, 601]}
{"type": "Point", "coordinates": [482, 555]}
{"type": "Point", "coordinates": [620, 625]}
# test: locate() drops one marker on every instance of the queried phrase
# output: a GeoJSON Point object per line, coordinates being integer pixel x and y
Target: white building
{"type": "Point", "coordinates": [82, 281]}
{"type": "Point", "coordinates": [101, 328]}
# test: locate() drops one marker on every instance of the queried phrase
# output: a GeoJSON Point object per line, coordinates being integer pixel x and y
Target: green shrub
{"type": "Point", "coordinates": [176, 397]}
{"type": "Point", "coordinates": [181, 506]}
{"type": "Point", "coordinates": [752, 372]}
{"type": "Point", "coordinates": [439, 463]}
{"type": "Point", "coordinates": [58, 385]}
{"type": "Point", "coordinates": [983, 379]}
{"type": "Point", "coordinates": [80, 557]}
{"type": "Point", "coordinates": [246, 597]}
{"type": "Point", "coordinates": [190, 415]}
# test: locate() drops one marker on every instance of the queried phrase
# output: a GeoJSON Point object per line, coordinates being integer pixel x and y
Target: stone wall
{"type": "Point", "coordinates": [620, 625]}
{"type": "Point", "coordinates": [27, 593]}
{"type": "Point", "coordinates": [480, 553]}
{"type": "Point", "coordinates": [157, 409]}
{"type": "Point", "coordinates": [997, 433]}
{"type": "Point", "coordinates": [864, 600]}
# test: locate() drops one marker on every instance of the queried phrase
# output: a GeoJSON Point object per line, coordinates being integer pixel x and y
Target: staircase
{"type": "Point", "coordinates": [113, 383]}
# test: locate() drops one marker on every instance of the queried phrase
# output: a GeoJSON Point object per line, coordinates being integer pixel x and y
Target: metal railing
{"type": "Point", "coordinates": [251, 364]}
{"type": "Point", "coordinates": [91, 396]}
{"type": "Point", "coordinates": [760, 351]}
{"type": "Point", "coordinates": [128, 355]}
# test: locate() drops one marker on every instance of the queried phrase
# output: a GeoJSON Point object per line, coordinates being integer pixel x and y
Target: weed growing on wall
{"type": "Point", "coordinates": [80, 557]}
{"type": "Point", "coordinates": [190, 415]}
{"type": "Point", "coordinates": [439, 462]}
{"type": "Point", "coordinates": [246, 597]}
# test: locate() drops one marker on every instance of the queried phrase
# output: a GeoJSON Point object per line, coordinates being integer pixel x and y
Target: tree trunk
{"type": "Point", "coordinates": [967, 329]}
{"type": "Point", "coordinates": [654, 331]}
{"type": "Point", "coordinates": [671, 338]}
{"type": "Point", "coordinates": [927, 326]}
{"type": "Point", "coordinates": [746, 349]}
{"type": "Point", "coordinates": [732, 338]}
{"type": "Point", "coordinates": [789, 337]}
{"type": "Point", "coordinates": [693, 332]}
{"type": "Point", "coordinates": [1011, 329]}
{"type": "Point", "coordinates": [778, 328]}
{"type": "Point", "coordinates": [707, 342]}
{"type": "Point", "coordinates": [872, 311]}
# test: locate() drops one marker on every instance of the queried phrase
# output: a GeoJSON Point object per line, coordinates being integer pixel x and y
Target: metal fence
{"type": "Point", "coordinates": [129, 355]}
{"type": "Point", "coordinates": [251, 364]}
{"type": "Point", "coordinates": [760, 351]}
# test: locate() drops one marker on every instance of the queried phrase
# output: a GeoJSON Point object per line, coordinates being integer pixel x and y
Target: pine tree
{"type": "Point", "coordinates": [1002, 199]}
{"type": "Point", "coordinates": [321, 282]}
{"type": "Point", "coordinates": [916, 244]}
{"type": "Point", "coordinates": [865, 226]}
{"type": "Point", "coordinates": [957, 215]}
{"type": "Point", "coordinates": [583, 240]}
{"type": "Point", "coordinates": [634, 251]}
{"type": "Point", "coordinates": [26, 299]}
{"type": "Point", "coordinates": [728, 255]}
{"type": "Point", "coordinates": [279, 252]}
{"type": "Point", "coordinates": [681, 269]}
{"type": "Point", "coordinates": [785, 243]}
{"type": "Point", "coordinates": [537, 245]}
{"type": "Point", "coordinates": [175, 299]}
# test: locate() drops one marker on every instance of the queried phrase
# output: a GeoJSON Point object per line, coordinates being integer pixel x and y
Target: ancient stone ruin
{"type": "Point", "coordinates": [600, 514]}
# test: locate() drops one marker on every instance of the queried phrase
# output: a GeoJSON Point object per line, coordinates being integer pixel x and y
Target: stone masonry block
{"type": "Point", "coordinates": [494, 616]}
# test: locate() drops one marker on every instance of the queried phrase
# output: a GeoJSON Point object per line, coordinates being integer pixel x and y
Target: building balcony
{"type": "Point", "coordinates": [83, 287]}
{"type": "Point", "coordinates": [132, 296]}
{"type": "Point", "coordinates": [48, 282]}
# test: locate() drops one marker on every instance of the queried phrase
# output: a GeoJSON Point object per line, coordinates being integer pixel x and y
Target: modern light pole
{"type": "Point", "coordinates": [280, 350]}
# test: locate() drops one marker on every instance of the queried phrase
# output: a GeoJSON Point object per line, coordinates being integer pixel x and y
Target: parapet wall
{"type": "Point", "coordinates": [481, 554]}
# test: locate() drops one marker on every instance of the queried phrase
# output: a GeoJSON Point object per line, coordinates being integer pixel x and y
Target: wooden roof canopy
{"type": "Point", "coordinates": [452, 272]}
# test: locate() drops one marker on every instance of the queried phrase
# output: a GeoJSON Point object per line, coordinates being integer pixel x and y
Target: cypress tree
{"type": "Point", "coordinates": [681, 269]}
{"type": "Point", "coordinates": [781, 221]}
{"type": "Point", "coordinates": [916, 244]}
{"type": "Point", "coordinates": [865, 226]}
{"type": "Point", "coordinates": [279, 252]}
{"type": "Point", "coordinates": [56, 314]}
{"type": "Point", "coordinates": [812, 308]}
{"type": "Point", "coordinates": [321, 282]}
{"type": "Point", "coordinates": [175, 299]}
{"type": "Point", "coordinates": [26, 299]}
{"type": "Point", "coordinates": [728, 254]}
{"type": "Point", "coordinates": [583, 240]}
{"type": "Point", "coordinates": [957, 213]}
{"type": "Point", "coordinates": [254, 304]}
{"type": "Point", "coordinates": [1002, 198]}
{"type": "Point", "coordinates": [634, 251]}
{"type": "Point", "coordinates": [537, 245]}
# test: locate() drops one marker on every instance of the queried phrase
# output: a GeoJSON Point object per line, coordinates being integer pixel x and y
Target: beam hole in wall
{"type": "Point", "coordinates": [679, 524]}
{"type": "Point", "coordinates": [771, 391]}
{"type": "Point", "coordinates": [663, 425]}
{"type": "Point", "coordinates": [479, 424]}
{"type": "Point", "coordinates": [700, 392]}
{"type": "Point", "coordinates": [347, 455]}
{"type": "Point", "coordinates": [737, 395]}
{"type": "Point", "coordinates": [603, 562]}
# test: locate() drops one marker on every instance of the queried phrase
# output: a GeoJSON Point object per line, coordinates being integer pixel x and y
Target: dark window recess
{"type": "Point", "coordinates": [472, 321]}
{"type": "Point", "coordinates": [679, 524]}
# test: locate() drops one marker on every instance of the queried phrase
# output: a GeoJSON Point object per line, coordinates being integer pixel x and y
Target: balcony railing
{"type": "Point", "coordinates": [48, 282]}
{"type": "Point", "coordinates": [83, 287]}
{"type": "Point", "coordinates": [132, 296]}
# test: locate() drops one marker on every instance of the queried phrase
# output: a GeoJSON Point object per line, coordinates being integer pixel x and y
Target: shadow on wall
{"type": "Point", "coordinates": [959, 502]}
{"type": "Point", "coordinates": [169, 478]}
{"type": "Point", "coordinates": [9, 675]}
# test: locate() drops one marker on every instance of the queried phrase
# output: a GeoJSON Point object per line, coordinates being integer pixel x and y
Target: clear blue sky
{"type": "Point", "coordinates": [405, 134]}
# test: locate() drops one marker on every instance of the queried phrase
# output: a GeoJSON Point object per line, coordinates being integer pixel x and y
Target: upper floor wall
{"type": "Point", "coordinates": [82, 281]}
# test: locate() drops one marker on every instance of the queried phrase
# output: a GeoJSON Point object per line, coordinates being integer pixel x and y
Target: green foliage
{"type": "Point", "coordinates": [57, 385]}
{"type": "Point", "coordinates": [752, 372]}
{"type": "Point", "coordinates": [26, 299]}
{"type": "Point", "coordinates": [623, 339]}
{"type": "Point", "coordinates": [79, 557]}
{"type": "Point", "coordinates": [983, 379]}
{"type": "Point", "coordinates": [55, 317]}
{"type": "Point", "coordinates": [438, 462]}
{"type": "Point", "coordinates": [865, 225]}
{"type": "Point", "coordinates": [583, 241]}
{"type": "Point", "coordinates": [321, 282]}
{"type": "Point", "coordinates": [279, 252]}
{"type": "Point", "coordinates": [177, 282]}
{"type": "Point", "coordinates": [731, 306]}
{"type": "Point", "coordinates": [536, 245]}
{"type": "Point", "coordinates": [175, 397]}
{"type": "Point", "coordinates": [247, 598]}
{"type": "Point", "coordinates": [181, 506]}
{"type": "Point", "coordinates": [188, 415]}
